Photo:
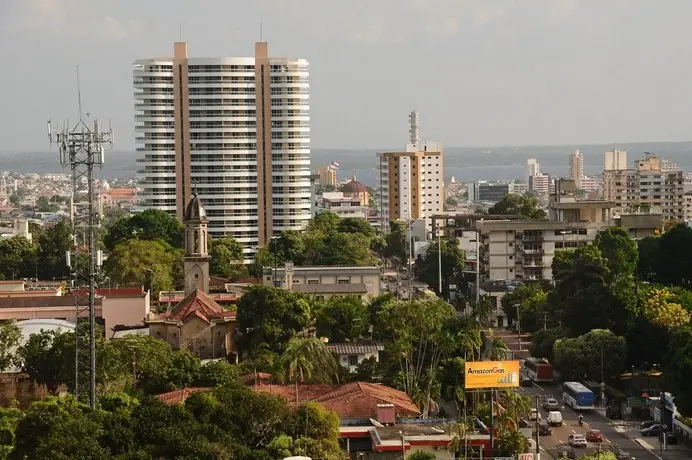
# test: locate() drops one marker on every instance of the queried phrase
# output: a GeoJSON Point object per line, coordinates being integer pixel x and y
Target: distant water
{"type": "Point", "coordinates": [464, 163]}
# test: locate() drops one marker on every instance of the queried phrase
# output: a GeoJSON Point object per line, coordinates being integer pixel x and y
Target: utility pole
{"type": "Point", "coordinates": [518, 326]}
{"type": "Point", "coordinates": [439, 260]}
{"type": "Point", "coordinates": [545, 321]}
{"type": "Point", "coordinates": [81, 147]}
{"type": "Point", "coordinates": [538, 428]}
{"type": "Point", "coordinates": [478, 268]}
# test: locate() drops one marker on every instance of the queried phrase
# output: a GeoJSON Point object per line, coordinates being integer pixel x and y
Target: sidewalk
{"type": "Point", "coordinates": [651, 443]}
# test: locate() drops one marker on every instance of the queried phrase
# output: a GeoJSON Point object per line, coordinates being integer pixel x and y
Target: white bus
{"type": "Point", "coordinates": [577, 396]}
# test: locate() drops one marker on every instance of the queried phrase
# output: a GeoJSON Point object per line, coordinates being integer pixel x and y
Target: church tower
{"type": "Point", "coordinates": [196, 260]}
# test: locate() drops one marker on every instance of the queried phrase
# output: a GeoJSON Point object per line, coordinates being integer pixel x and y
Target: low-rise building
{"type": "Point", "coordinates": [352, 354]}
{"type": "Point", "coordinates": [341, 205]}
{"type": "Point", "coordinates": [326, 281]}
{"type": "Point", "coordinates": [15, 227]}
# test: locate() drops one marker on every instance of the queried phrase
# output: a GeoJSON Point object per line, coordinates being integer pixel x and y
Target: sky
{"type": "Point", "coordinates": [480, 72]}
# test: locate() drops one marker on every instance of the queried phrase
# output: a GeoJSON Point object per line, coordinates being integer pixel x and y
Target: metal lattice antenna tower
{"type": "Point", "coordinates": [81, 147]}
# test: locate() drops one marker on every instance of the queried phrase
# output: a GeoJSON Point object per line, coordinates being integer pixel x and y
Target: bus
{"type": "Point", "coordinates": [538, 369]}
{"type": "Point", "coordinates": [577, 396]}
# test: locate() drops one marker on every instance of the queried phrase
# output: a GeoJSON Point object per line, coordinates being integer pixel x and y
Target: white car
{"type": "Point", "coordinates": [577, 440]}
{"type": "Point", "coordinates": [534, 415]}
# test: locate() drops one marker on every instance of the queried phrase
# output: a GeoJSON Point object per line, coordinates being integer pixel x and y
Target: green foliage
{"type": "Point", "coordinates": [661, 309]}
{"type": "Point", "coordinates": [522, 205]}
{"type": "Point", "coordinates": [17, 258]}
{"type": "Point", "coordinates": [599, 456]}
{"type": "Point", "coordinates": [452, 266]}
{"type": "Point", "coordinates": [517, 297]}
{"type": "Point", "coordinates": [149, 225]}
{"type": "Point", "coordinates": [47, 359]}
{"type": "Point", "coordinates": [678, 368]}
{"type": "Point", "coordinates": [272, 316]}
{"type": "Point", "coordinates": [226, 258]}
{"type": "Point", "coordinates": [533, 311]}
{"type": "Point", "coordinates": [44, 205]}
{"type": "Point", "coordinates": [150, 262]}
{"type": "Point", "coordinates": [619, 251]}
{"type": "Point", "coordinates": [53, 243]}
{"type": "Point", "coordinates": [395, 248]}
{"type": "Point", "coordinates": [666, 259]}
{"type": "Point", "coordinates": [328, 240]}
{"type": "Point", "coordinates": [580, 358]}
{"type": "Point", "coordinates": [10, 336]}
{"type": "Point", "coordinates": [511, 443]}
{"type": "Point", "coordinates": [308, 360]}
{"type": "Point", "coordinates": [232, 422]}
{"type": "Point", "coordinates": [343, 319]}
{"type": "Point", "coordinates": [542, 342]}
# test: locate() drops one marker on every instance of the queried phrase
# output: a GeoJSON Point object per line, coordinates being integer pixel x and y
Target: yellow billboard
{"type": "Point", "coordinates": [491, 374]}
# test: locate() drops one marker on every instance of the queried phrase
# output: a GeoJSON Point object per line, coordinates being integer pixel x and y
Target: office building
{"type": "Point", "coordinates": [614, 160]}
{"type": "Point", "coordinates": [646, 186]}
{"type": "Point", "coordinates": [576, 167]}
{"type": "Point", "coordinates": [533, 168]}
{"type": "Point", "coordinates": [518, 187]}
{"type": "Point", "coordinates": [236, 131]}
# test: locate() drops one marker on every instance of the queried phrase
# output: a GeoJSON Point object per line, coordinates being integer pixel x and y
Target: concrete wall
{"type": "Point", "coordinates": [126, 311]}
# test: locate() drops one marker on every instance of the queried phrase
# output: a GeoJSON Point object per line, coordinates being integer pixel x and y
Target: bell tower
{"type": "Point", "coordinates": [196, 260]}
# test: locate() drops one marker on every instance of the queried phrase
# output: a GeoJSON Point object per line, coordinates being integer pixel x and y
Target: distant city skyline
{"type": "Point", "coordinates": [493, 73]}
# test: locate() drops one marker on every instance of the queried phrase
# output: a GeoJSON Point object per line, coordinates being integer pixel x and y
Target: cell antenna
{"type": "Point", "coordinates": [261, 24]}
{"type": "Point", "coordinates": [81, 148]}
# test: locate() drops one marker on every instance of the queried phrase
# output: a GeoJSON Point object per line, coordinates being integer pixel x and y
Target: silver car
{"type": "Point", "coordinates": [577, 440]}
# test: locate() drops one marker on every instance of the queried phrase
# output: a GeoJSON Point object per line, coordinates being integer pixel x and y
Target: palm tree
{"type": "Point", "coordinates": [458, 442]}
{"type": "Point", "coordinates": [498, 350]}
{"type": "Point", "coordinates": [308, 358]}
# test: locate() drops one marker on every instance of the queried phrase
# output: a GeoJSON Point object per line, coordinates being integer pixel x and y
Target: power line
{"type": "Point", "coordinates": [81, 147]}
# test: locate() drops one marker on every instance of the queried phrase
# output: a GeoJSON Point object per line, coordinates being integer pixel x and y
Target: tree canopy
{"type": "Point", "coordinates": [452, 266]}
{"type": "Point", "coordinates": [152, 263]}
{"type": "Point", "coordinates": [524, 206]}
{"type": "Point", "coordinates": [151, 224]}
{"type": "Point", "coordinates": [226, 258]}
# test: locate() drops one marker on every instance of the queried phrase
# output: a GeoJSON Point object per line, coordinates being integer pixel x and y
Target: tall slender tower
{"type": "Point", "coordinates": [576, 166]}
{"type": "Point", "coordinates": [196, 260]}
{"type": "Point", "coordinates": [237, 130]}
{"type": "Point", "coordinates": [414, 128]}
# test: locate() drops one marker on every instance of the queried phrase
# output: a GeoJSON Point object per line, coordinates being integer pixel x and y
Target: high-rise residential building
{"type": "Point", "coordinates": [687, 207]}
{"type": "Point", "coordinates": [326, 175]}
{"type": "Point", "coordinates": [533, 167]}
{"type": "Point", "coordinates": [415, 181]}
{"type": "Point", "coordinates": [614, 160]}
{"type": "Point", "coordinates": [576, 167]}
{"type": "Point", "coordinates": [646, 186]}
{"type": "Point", "coordinates": [236, 131]}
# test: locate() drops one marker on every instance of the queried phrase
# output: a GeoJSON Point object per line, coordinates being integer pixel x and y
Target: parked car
{"type": "Point", "coordinates": [523, 423]}
{"type": "Point", "coordinates": [653, 430]}
{"type": "Point", "coordinates": [544, 430]}
{"type": "Point", "coordinates": [534, 415]}
{"type": "Point", "coordinates": [554, 418]}
{"type": "Point", "coordinates": [577, 440]}
{"type": "Point", "coordinates": [619, 453]}
{"type": "Point", "coordinates": [566, 452]}
{"type": "Point", "coordinates": [594, 436]}
{"type": "Point", "coordinates": [525, 381]}
{"type": "Point", "coordinates": [551, 404]}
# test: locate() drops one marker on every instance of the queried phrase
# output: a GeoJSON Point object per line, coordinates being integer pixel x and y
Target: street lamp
{"type": "Point", "coordinates": [439, 260]}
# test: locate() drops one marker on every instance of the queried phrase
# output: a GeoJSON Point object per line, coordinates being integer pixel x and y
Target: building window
{"type": "Point", "coordinates": [343, 281]}
{"type": "Point", "coordinates": [352, 360]}
{"type": "Point", "coordinates": [313, 281]}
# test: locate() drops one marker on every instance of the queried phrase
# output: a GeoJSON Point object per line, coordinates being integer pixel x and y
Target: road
{"type": "Point", "coordinates": [592, 420]}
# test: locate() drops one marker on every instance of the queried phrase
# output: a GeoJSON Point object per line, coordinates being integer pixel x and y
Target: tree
{"type": "Point", "coordinates": [343, 319]}
{"type": "Point", "coordinates": [661, 309]}
{"type": "Point", "coordinates": [17, 256]}
{"type": "Point", "coordinates": [395, 239]}
{"type": "Point", "coordinates": [139, 261]}
{"type": "Point", "coordinates": [272, 316]}
{"type": "Point", "coordinates": [416, 340]}
{"type": "Point", "coordinates": [307, 359]}
{"type": "Point", "coordinates": [151, 224]}
{"type": "Point", "coordinates": [452, 266]}
{"type": "Point", "coordinates": [582, 357]}
{"type": "Point", "coordinates": [226, 258]}
{"type": "Point", "coordinates": [666, 259]}
{"type": "Point", "coordinates": [356, 225]}
{"type": "Point", "coordinates": [542, 342]}
{"type": "Point", "coordinates": [677, 365]}
{"type": "Point", "coordinates": [44, 205]}
{"type": "Point", "coordinates": [421, 455]}
{"type": "Point", "coordinates": [347, 249]}
{"type": "Point", "coordinates": [53, 243]}
{"type": "Point", "coordinates": [522, 205]}
{"type": "Point", "coordinates": [10, 337]}
{"type": "Point", "coordinates": [516, 297]}
{"type": "Point", "coordinates": [47, 359]}
{"type": "Point", "coordinates": [619, 251]}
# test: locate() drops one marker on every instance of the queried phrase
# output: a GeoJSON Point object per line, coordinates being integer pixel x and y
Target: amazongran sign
{"type": "Point", "coordinates": [491, 374]}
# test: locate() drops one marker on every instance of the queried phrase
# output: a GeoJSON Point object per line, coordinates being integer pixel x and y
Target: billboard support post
{"type": "Point", "coordinates": [492, 423]}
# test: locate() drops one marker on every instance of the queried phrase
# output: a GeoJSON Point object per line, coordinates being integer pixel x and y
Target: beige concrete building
{"type": "Point", "coordinates": [414, 182]}
{"type": "Point", "coordinates": [326, 281]}
{"type": "Point", "coordinates": [647, 185]}
{"type": "Point", "coordinates": [614, 160]}
{"type": "Point", "coordinates": [687, 211]}
{"type": "Point", "coordinates": [341, 205]}
{"type": "Point", "coordinates": [576, 167]}
{"type": "Point", "coordinates": [326, 175]}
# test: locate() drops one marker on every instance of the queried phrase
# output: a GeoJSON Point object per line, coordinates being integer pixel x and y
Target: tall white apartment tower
{"type": "Point", "coordinates": [533, 168]}
{"type": "Point", "coordinates": [576, 166]}
{"type": "Point", "coordinates": [234, 130]}
{"type": "Point", "coordinates": [614, 160]}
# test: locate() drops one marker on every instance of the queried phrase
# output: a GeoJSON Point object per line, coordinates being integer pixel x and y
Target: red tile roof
{"type": "Point", "coordinates": [356, 400]}
{"type": "Point", "coordinates": [179, 396]}
{"type": "Point", "coordinates": [201, 305]}
{"type": "Point", "coordinates": [115, 292]}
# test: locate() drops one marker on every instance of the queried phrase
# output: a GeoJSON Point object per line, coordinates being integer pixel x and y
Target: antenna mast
{"type": "Point", "coordinates": [81, 148]}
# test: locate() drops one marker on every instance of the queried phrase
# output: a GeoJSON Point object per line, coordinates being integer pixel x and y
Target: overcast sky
{"type": "Point", "coordinates": [481, 72]}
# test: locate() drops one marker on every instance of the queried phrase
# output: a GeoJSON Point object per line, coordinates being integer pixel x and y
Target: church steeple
{"type": "Point", "coordinates": [196, 260]}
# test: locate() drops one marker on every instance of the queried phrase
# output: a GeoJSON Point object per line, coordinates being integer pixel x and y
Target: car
{"type": "Point", "coordinates": [551, 404]}
{"type": "Point", "coordinates": [566, 452]}
{"type": "Point", "coordinates": [554, 418]}
{"type": "Point", "coordinates": [544, 430]}
{"type": "Point", "coordinates": [524, 423]}
{"type": "Point", "coordinates": [647, 424]}
{"type": "Point", "coordinates": [620, 454]}
{"type": "Point", "coordinates": [525, 381]}
{"type": "Point", "coordinates": [594, 436]}
{"type": "Point", "coordinates": [534, 415]}
{"type": "Point", "coordinates": [653, 430]}
{"type": "Point", "coordinates": [577, 440]}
